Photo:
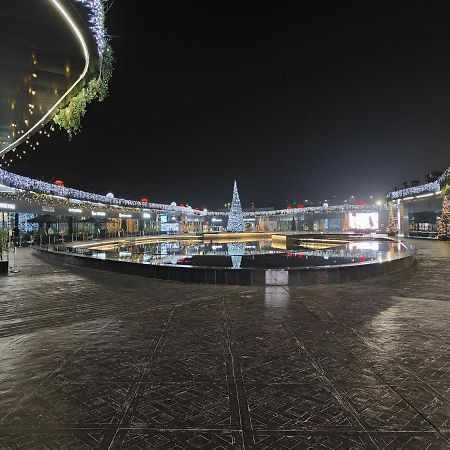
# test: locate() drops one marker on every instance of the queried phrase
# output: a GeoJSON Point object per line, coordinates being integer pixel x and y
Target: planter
{"type": "Point", "coordinates": [4, 267]}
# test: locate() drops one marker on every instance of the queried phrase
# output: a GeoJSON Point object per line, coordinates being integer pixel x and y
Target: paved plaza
{"type": "Point", "coordinates": [91, 359]}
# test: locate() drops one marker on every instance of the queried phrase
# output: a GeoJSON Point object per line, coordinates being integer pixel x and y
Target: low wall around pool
{"type": "Point", "coordinates": [301, 276]}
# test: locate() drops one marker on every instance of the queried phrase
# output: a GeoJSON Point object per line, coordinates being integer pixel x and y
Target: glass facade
{"type": "Point", "coordinates": [423, 224]}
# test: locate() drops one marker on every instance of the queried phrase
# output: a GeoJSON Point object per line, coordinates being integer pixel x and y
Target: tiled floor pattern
{"type": "Point", "coordinates": [91, 360]}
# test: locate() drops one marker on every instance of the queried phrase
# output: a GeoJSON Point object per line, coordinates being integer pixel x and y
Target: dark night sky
{"type": "Point", "coordinates": [332, 98]}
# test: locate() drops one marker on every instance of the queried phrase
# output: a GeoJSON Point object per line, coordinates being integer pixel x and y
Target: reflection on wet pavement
{"type": "Point", "coordinates": [91, 359]}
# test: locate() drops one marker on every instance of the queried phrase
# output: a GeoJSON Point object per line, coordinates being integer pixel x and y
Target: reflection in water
{"type": "Point", "coordinates": [276, 296]}
{"type": "Point", "coordinates": [386, 327]}
{"type": "Point", "coordinates": [236, 250]}
{"type": "Point", "coordinates": [249, 254]}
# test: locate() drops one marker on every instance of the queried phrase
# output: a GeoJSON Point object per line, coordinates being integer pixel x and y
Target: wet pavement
{"type": "Point", "coordinates": [91, 359]}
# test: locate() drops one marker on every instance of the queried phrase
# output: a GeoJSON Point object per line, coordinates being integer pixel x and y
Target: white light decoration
{"type": "Point", "coordinates": [109, 195]}
{"type": "Point", "coordinates": [75, 210]}
{"type": "Point", "coordinates": [77, 196]}
{"type": "Point", "coordinates": [124, 216]}
{"type": "Point", "coordinates": [421, 189]}
{"type": "Point", "coordinates": [235, 216]}
{"type": "Point", "coordinates": [97, 22]}
{"type": "Point", "coordinates": [9, 206]}
{"type": "Point", "coordinates": [30, 184]}
{"type": "Point", "coordinates": [98, 213]}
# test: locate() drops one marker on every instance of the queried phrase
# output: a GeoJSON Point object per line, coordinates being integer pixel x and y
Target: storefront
{"type": "Point", "coordinates": [418, 208]}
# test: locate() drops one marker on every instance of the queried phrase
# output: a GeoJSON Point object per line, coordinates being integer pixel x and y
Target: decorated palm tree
{"type": "Point", "coordinates": [4, 246]}
{"type": "Point", "coordinates": [392, 226]}
{"type": "Point", "coordinates": [346, 224]}
{"type": "Point", "coordinates": [444, 223]}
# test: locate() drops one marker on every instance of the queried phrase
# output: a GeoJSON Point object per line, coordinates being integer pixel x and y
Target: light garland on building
{"type": "Point", "coordinates": [434, 186]}
{"type": "Point", "coordinates": [97, 22]}
{"type": "Point", "coordinates": [43, 188]}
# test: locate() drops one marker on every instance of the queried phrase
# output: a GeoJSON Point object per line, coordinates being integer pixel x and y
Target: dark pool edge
{"type": "Point", "coordinates": [243, 277]}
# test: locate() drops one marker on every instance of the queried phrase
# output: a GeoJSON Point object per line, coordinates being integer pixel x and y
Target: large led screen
{"type": "Point", "coordinates": [363, 221]}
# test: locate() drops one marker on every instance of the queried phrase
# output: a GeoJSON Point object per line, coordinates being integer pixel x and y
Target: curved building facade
{"type": "Point", "coordinates": [48, 51]}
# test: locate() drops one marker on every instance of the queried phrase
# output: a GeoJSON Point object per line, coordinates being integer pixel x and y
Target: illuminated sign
{"type": "Point", "coordinates": [48, 209]}
{"type": "Point", "coordinates": [125, 216]}
{"type": "Point", "coordinates": [215, 219]}
{"type": "Point", "coordinates": [98, 213]}
{"type": "Point", "coordinates": [7, 206]}
{"type": "Point", "coordinates": [74, 210]}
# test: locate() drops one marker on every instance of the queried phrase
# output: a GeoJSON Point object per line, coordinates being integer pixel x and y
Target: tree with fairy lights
{"type": "Point", "coordinates": [346, 224]}
{"type": "Point", "coordinates": [392, 226]}
{"type": "Point", "coordinates": [235, 216]}
{"type": "Point", "coordinates": [444, 223]}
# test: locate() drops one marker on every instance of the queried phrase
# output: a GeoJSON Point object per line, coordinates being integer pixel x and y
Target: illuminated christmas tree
{"type": "Point", "coordinates": [392, 226]}
{"type": "Point", "coordinates": [346, 224]}
{"type": "Point", "coordinates": [444, 223]}
{"type": "Point", "coordinates": [235, 216]}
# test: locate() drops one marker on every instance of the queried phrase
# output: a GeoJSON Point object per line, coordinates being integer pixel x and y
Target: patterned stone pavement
{"type": "Point", "coordinates": [91, 360]}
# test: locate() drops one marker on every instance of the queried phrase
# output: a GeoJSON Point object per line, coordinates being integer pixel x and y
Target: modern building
{"type": "Point", "coordinates": [418, 208]}
{"type": "Point", "coordinates": [75, 214]}
{"type": "Point", "coordinates": [51, 51]}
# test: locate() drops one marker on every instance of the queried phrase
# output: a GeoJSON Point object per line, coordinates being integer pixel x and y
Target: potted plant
{"type": "Point", "coordinates": [4, 245]}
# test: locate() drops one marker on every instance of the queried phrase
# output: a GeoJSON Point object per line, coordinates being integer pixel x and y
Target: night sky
{"type": "Point", "coordinates": [330, 98]}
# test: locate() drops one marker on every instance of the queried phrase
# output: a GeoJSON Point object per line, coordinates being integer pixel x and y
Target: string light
{"type": "Point", "coordinates": [434, 186]}
{"type": "Point", "coordinates": [43, 188]}
{"type": "Point", "coordinates": [97, 22]}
